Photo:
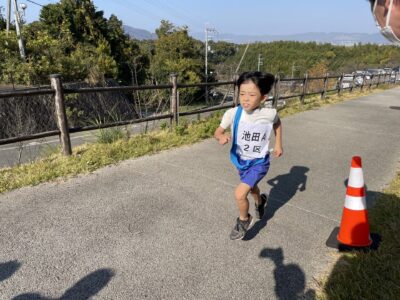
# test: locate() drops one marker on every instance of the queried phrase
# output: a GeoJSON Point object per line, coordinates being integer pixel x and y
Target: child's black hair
{"type": "Point", "coordinates": [263, 81]}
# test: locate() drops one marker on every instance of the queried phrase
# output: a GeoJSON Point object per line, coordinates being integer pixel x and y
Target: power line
{"type": "Point", "coordinates": [35, 3]}
{"type": "Point", "coordinates": [140, 11]}
{"type": "Point", "coordinates": [177, 12]}
{"type": "Point", "coordinates": [147, 10]}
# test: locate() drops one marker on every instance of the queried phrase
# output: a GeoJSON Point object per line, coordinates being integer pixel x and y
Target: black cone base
{"type": "Point", "coordinates": [332, 242]}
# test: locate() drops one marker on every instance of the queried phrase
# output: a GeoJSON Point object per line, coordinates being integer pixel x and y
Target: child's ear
{"type": "Point", "coordinates": [264, 97]}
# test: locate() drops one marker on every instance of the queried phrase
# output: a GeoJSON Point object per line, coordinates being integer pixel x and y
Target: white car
{"type": "Point", "coordinates": [347, 81]}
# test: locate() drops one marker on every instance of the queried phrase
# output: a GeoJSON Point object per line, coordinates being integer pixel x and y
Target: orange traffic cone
{"type": "Point", "coordinates": [354, 228]}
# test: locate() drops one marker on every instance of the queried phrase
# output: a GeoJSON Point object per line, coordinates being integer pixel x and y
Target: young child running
{"type": "Point", "coordinates": [251, 124]}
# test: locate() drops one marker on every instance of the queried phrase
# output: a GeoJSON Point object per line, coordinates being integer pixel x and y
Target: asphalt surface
{"type": "Point", "coordinates": [158, 227]}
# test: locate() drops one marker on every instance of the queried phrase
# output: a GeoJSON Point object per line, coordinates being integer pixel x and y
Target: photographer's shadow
{"type": "Point", "coordinates": [290, 280]}
{"type": "Point", "coordinates": [8, 269]}
{"type": "Point", "coordinates": [284, 187]}
{"type": "Point", "coordinates": [84, 289]}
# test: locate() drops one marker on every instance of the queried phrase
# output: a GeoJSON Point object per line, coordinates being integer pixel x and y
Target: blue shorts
{"type": "Point", "coordinates": [254, 174]}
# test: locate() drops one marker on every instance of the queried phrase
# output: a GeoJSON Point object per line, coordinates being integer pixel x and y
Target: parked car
{"type": "Point", "coordinates": [365, 73]}
{"type": "Point", "coordinates": [347, 81]}
{"type": "Point", "coordinates": [388, 70]}
{"type": "Point", "coordinates": [374, 72]}
{"type": "Point", "coordinates": [394, 76]}
{"type": "Point", "coordinates": [359, 77]}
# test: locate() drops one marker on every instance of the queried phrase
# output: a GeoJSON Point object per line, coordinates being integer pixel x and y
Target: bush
{"type": "Point", "coordinates": [110, 135]}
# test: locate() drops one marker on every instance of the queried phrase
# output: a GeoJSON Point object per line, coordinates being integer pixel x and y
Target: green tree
{"type": "Point", "coordinates": [282, 55]}
{"type": "Point", "coordinates": [165, 28]}
{"type": "Point", "coordinates": [176, 52]}
{"type": "Point", "coordinates": [103, 64]}
{"type": "Point", "coordinates": [2, 19]}
{"type": "Point", "coordinates": [74, 38]}
{"type": "Point", "coordinates": [132, 64]}
{"type": "Point", "coordinates": [219, 51]}
{"type": "Point", "coordinates": [83, 21]}
{"type": "Point", "coordinates": [318, 70]}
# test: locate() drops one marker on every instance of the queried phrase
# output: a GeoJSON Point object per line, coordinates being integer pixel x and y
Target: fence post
{"type": "Point", "coordinates": [352, 84]}
{"type": "Point", "coordinates": [276, 91]}
{"type": "Point", "coordinates": [61, 114]}
{"type": "Point", "coordinates": [304, 92]}
{"type": "Point", "coordinates": [371, 79]}
{"type": "Point", "coordinates": [235, 91]}
{"type": "Point", "coordinates": [379, 79]}
{"type": "Point", "coordinates": [362, 82]}
{"type": "Point", "coordinates": [325, 86]}
{"type": "Point", "coordinates": [174, 99]}
{"type": "Point", "coordinates": [340, 84]}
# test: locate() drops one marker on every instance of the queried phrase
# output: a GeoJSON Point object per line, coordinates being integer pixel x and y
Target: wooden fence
{"type": "Point", "coordinates": [58, 92]}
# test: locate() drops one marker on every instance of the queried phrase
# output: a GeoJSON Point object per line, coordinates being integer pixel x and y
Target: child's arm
{"type": "Point", "coordinates": [221, 136]}
{"type": "Point", "coordinates": [278, 150]}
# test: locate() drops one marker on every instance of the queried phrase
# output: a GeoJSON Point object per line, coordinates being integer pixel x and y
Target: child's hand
{"type": "Point", "coordinates": [278, 151]}
{"type": "Point", "coordinates": [225, 138]}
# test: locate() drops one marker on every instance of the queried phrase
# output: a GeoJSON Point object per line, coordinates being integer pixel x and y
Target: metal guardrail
{"type": "Point", "coordinates": [62, 122]}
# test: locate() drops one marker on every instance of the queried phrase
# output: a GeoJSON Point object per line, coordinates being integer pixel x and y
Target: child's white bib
{"type": "Point", "coordinates": [252, 140]}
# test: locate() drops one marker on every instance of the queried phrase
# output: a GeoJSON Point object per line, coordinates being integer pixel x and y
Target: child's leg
{"type": "Point", "coordinates": [241, 192]}
{"type": "Point", "coordinates": [255, 193]}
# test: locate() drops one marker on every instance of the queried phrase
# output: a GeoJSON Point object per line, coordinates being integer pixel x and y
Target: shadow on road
{"type": "Point", "coordinates": [8, 269]}
{"type": "Point", "coordinates": [290, 280]}
{"type": "Point", "coordinates": [84, 289]}
{"type": "Point", "coordinates": [284, 187]}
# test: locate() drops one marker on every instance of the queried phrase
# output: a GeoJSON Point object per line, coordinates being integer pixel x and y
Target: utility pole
{"type": "Point", "coordinates": [8, 15]}
{"type": "Point", "coordinates": [18, 29]}
{"type": "Point", "coordinates": [293, 68]}
{"type": "Point", "coordinates": [207, 30]}
{"type": "Point", "coordinates": [260, 62]}
{"type": "Point", "coordinates": [241, 59]}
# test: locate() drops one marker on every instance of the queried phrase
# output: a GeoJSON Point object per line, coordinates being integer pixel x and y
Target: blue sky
{"type": "Point", "coordinates": [254, 17]}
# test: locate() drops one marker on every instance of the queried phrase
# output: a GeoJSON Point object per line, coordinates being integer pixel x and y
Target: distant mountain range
{"type": "Point", "coordinates": [336, 38]}
{"type": "Point", "coordinates": [139, 34]}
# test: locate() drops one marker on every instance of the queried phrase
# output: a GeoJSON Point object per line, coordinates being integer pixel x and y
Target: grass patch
{"type": "Point", "coordinates": [88, 158]}
{"type": "Point", "coordinates": [114, 146]}
{"type": "Point", "coordinates": [372, 275]}
{"type": "Point", "coordinates": [109, 135]}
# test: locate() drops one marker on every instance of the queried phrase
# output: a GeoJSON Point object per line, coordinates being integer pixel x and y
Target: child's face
{"type": "Point", "coordinates": [250, 96]}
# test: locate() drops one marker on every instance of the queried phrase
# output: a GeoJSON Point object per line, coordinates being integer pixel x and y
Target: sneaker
{"type": "Point", "coordinates": [241, 227]}
{"type": "Point", "coordinates": [261, 206]}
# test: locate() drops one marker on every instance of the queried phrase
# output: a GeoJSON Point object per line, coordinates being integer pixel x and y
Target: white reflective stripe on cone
{"type": "Point", "coordinates": [356, 178]}
{"type": "Point", "coordinates": [355, 203]}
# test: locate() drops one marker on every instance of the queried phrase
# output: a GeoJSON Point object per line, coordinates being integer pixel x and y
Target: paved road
{"type": "Point", "coordinates": [157, 227]}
